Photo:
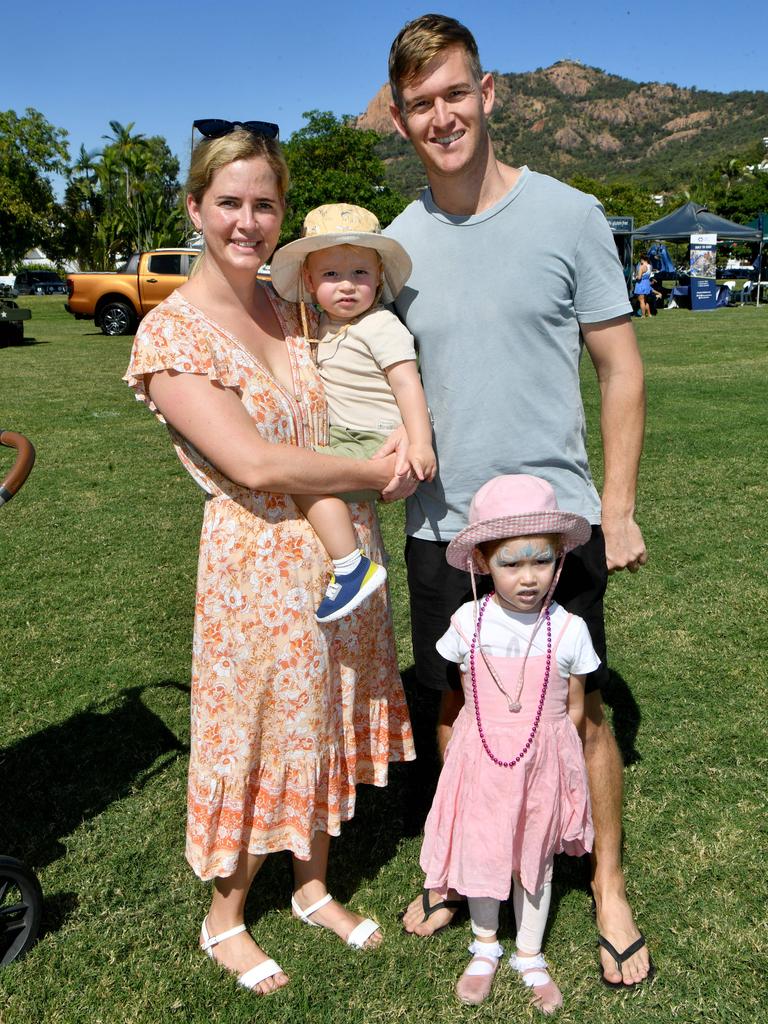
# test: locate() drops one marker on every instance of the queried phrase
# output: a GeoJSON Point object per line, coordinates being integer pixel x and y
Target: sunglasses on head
{"type": "Point", "coordinates": [215, 127]}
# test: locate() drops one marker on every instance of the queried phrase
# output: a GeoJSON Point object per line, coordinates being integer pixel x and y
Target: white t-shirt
{"type": "Point", "coordinates": [505, 634]}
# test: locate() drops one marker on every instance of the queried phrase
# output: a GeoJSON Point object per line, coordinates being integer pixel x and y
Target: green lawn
{"type": "Point", "coordinates": [98, 559]}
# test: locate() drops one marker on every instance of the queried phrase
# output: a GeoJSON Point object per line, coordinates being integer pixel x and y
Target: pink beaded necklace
{"type": "Point", "coordinates": [537, 716]}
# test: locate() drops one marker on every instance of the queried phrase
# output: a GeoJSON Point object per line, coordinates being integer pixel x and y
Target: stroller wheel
{"type": "Point", "coordinates": [21, 909]}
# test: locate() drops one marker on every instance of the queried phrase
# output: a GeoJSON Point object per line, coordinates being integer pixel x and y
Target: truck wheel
{"type": "Point", "coordinates": [11, 333]}
{"type": "Point", "coordinates": [117, 318]}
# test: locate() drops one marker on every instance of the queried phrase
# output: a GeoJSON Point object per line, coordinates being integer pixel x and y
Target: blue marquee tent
{"type": "Point", "coordinates": [695, 219]}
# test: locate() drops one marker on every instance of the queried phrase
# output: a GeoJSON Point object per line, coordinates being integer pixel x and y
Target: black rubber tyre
{"type": "Point", "coordinates": [12, 333]}
{"type": "Point", "coordinates": [21, 909]}
{"type": "Point", "coordinates": [117, 318]}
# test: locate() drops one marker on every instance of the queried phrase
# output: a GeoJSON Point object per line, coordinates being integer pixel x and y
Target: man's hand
{"type": "Point", "coordinates": [612, 346]}
{"type": "Point", "coordinates": [624, 544]}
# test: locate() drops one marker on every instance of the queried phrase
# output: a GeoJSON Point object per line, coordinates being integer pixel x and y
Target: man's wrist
{"type": "Point", "coordinates": [615, 510]}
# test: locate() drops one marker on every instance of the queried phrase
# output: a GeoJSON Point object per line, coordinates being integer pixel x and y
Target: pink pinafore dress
{"type": "Point", "coordinates": [488, 822]}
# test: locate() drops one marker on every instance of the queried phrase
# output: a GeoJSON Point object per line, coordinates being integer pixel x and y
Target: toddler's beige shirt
{"type": "Point", "coordinates": [352, 368]}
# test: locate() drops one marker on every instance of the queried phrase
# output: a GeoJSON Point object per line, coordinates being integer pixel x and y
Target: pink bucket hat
{"type": "Point", "coordinates": [516, 505]}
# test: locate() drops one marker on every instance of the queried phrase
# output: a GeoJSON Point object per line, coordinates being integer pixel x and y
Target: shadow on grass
{"type": "Point", "coordinates": [569, 873]}
{"type": "Point", "coordinates": [70, 772]}
{"type": "Point", "coordinates": [55, 779]}
{"type": "Point", "coordinates": [9, 342]}
{"type": "Point", "coordinates": [58, 907]}
{"type": "Point", "coordinates": [626, 716]}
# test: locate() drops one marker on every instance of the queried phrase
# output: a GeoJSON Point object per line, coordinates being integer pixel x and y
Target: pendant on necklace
{"type": "Point", "coordinates": [513, 705]}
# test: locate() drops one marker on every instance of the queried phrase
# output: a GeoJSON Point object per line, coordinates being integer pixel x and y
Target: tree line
{"type": "Point", "coordinates": [126, 195]}
{"type": "Point", "coordinates": [731, 186]}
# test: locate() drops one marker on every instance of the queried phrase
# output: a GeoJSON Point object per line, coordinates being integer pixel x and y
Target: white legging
{"type": "Point", "coordinates": [531, 912]}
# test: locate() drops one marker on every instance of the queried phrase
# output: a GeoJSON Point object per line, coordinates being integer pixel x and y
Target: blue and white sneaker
{"type": "Point", "coordinates": [346, 592]}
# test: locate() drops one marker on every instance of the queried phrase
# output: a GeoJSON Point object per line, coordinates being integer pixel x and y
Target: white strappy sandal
{"type": "Point", "coordinates": [251, 978]}
{"type": "Point", "coordinates": [546, 996]}
{"type": "Point", "coordinates": [359, 935]}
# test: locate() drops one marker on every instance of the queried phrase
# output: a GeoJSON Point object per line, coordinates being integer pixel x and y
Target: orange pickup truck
{"type": "Point", "coordinates": [117, 301]}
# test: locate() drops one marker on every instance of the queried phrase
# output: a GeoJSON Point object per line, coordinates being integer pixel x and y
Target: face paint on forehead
{"type": "Point", "coordinates": [514, 551]}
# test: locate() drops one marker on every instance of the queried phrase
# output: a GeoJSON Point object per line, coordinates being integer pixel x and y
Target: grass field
{"type": "Point", "coordinates": [97, 556]}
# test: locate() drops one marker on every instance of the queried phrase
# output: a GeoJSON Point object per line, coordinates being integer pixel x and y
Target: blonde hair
{"type": "Point", "coordinates": [210, 155]}
{"type": "Point", "coordinates": [420, 41]}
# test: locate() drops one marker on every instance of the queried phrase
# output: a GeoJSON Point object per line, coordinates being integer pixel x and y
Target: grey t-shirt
{"type": "Point", "coordinates": [494, 302]}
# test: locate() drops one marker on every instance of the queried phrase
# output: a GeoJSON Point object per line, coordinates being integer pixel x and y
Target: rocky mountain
{"type": "Point", "coordinates": [572, 119]}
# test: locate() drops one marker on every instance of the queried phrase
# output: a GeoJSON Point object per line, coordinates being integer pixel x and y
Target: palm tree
{"type": "Point", "coordinates": [122, 198]}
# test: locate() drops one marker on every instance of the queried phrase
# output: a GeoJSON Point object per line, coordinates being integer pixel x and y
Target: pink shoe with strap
{"type": "Point", "coordinates": [545, 995]}
{"type": "Point", "coordinates": [474, 986]}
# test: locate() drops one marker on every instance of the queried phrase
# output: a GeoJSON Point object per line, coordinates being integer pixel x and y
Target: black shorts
{"type": "Point", "coordinates": [436, 590]}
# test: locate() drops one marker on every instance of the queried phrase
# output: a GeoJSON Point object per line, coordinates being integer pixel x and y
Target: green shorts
{"type": "Point", "coordinates": [355, 444]}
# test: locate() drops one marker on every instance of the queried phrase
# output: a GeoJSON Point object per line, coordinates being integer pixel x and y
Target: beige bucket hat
{"type": "Point", "coordinates": [339, 224]}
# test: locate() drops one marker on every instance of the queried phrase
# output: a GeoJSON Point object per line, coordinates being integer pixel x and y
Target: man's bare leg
{"type": "Point", "coordinates": [414, 921]}
{"type": "Point", "coordinates": [614, 916]}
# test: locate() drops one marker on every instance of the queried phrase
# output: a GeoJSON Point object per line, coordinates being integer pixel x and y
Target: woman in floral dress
{"type": "Point", "coordinates": [287, 715]}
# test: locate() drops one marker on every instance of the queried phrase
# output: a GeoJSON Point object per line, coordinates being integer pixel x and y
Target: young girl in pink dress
{"type": "Point", "coordinates": [513, 789]}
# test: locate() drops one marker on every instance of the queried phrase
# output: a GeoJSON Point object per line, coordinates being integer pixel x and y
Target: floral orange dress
{"type": "Point", "coordinates": [287, 715]}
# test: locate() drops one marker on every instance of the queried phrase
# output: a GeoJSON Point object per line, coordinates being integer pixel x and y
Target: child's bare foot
{"type": "Point", "coordinates": [532, 968]}
{"type": "Point", "coordinates": [326, 912]}
{"type": "Point", "coordinates": [235, 950]}
{"type": "Point", "coordinates": [431, 912]}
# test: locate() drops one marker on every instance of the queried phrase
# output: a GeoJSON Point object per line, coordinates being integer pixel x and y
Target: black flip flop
{"type": "Point", "coordinates": [455, 905]}
{"type": "Point", "coordinates": [621, 958]}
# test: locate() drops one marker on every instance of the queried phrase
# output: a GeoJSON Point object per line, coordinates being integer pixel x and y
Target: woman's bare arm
{"type": "Point", "coordinates": [214, 421]}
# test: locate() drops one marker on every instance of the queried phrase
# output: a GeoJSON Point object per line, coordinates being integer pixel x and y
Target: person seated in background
{"type": "Point", "coordinates": [656, 298]}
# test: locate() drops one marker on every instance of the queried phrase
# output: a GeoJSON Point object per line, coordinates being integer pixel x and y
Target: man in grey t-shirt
{"type": "Point", "coordinates": [511, 270]}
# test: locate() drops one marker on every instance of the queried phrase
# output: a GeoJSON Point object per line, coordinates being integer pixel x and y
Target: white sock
{"type": "Point", "coordinates": [344, 566]}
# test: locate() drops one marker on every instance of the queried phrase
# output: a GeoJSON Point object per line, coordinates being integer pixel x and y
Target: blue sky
{"type": "Point", "coordinates": [163, 63]}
